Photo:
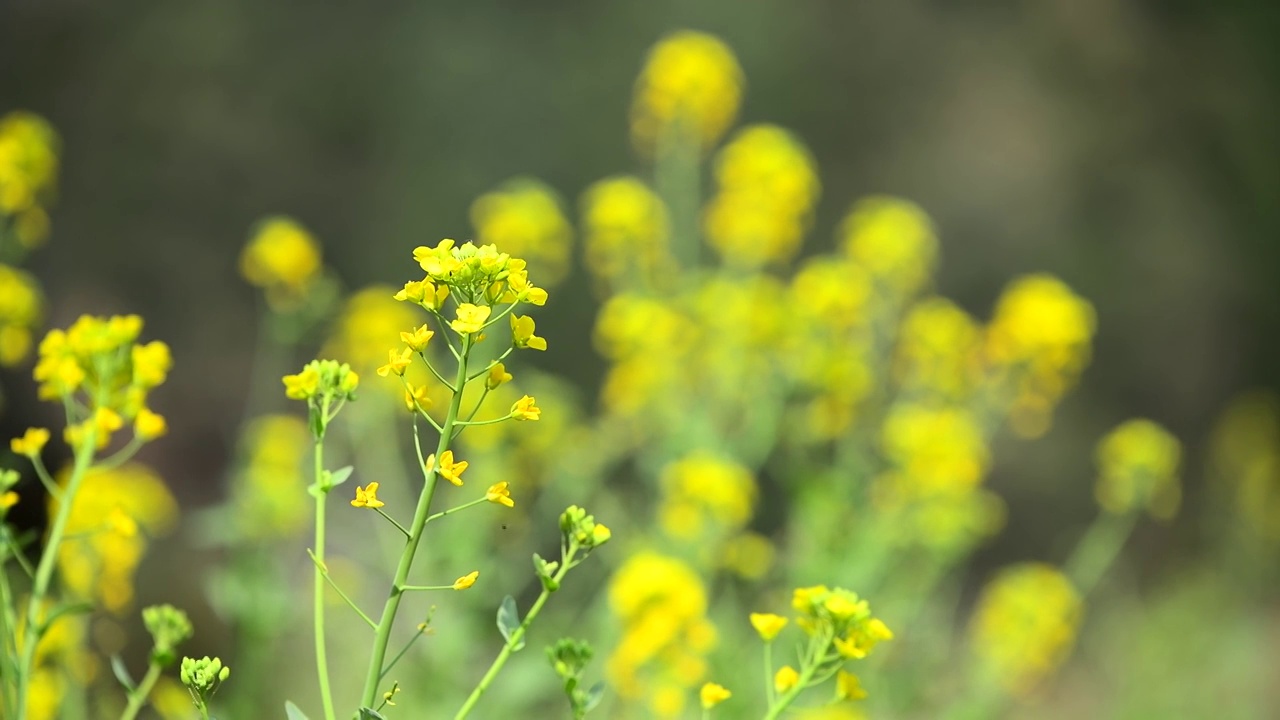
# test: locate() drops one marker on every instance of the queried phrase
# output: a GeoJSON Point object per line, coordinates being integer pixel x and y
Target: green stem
{"type": "Point", "coordinates": [770, 695]}
{"type": "Point", "coordinates": [1098, 549]}
{"type": "Point", "coordinates": [44, 571]}
{"type": "Point", "coordinates": [138, 698]}
{"type": "Point", "coordinates": [678, 184]}
{"type": "Point", "coordinates": [322, 661]}
{"type": "Point", "coordinates": [453, 510]}
{"type": "Point", "coordinates": [9, 649]}
{"type": "Point", "coordinates": [514, 641]}
{"type": "Point", "coordinates": [383, 634]}
{"type": "Point", "coordinates": [809, 665]}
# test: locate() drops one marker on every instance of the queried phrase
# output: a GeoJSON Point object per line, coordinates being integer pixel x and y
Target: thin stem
{"type": "Point", "coordinates": [393, 522]}
{"type": "Point", "coordinates": [44, 571]}
{"type": "Point", "coordinates": [334, 584]}
{"type": "Point", "coordinates": [383, 634]}
{"type": "Point", "coordinates": [138, 698]}
{"type": "Point", "coordinates": [9, 649]}
{"type": "Point", "coordinates": [322, 661]}
{"type": "Point", "coordinates": [770, 695]}
{"type": "Point", "coordinates": [498, 359]}
{"type": "Point", "coordinates": [17, 553]}
{"type": "Point", "coordinates": [408, 588]}
{"type": "Point", "coordinates": [476, 423]}
{"type": "Point", "coordinates": [435, 372]}
{"type": "Point", "coordinates": [46, 479]}
{"type": "Point", "coordinates": [120, 457]}
{"type": "Point", "coordinates": [453, 510]}
{"type": "Point", "coordinates": [400, 654]}
{"type": "Point", "coordinates": [1098, 549]}
{"type": "Point", "coordinates": [514, 641]}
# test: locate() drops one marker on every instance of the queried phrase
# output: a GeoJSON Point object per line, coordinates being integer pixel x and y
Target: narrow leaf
{"type": "Point", "coordinates": [594, 696]}
{"type": "Point", "coordinates": [293, 712]}
{"type": "Point", "coordinates": [509, 621]}
{"type": "Point", "coordinates": [122, 674]}
{"type": "Point", "coordinates": [370, 714]}
{"type": "Point", "coordinates": [339, 476]}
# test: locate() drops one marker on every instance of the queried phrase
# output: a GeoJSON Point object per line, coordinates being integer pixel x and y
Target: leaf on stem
{"type": "Point", "coordinates": [293, 712]}
{"type": "Point", "coordinates": [122, 674]}
{"type": "Point", "coordinates": [509, 621]}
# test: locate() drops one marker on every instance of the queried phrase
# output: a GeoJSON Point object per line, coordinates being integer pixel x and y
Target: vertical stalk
{"type": "Point", "coordinates": [678, 184]}
{"type": "Point", "coordinates": [48, 559]}
{"type": "Point", "coordinates": [1097, 550]}
{"type": "Point", "coordinates": [322, 661]}
{"type": "Point", "coordinates": [138, 697]}
{"type": "Point", "coordinates": [383, 633]}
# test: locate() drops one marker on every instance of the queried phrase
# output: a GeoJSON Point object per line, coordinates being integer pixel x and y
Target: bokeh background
{"type": "Point", "coordinates": [1129, 148]}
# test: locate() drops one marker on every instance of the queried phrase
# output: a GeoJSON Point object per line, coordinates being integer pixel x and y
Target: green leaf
{"type": "Point", "coordinates": [293, 712]}
{"type": "Point", "coordinates": [339, 476]}
{"type": "Point", "coordinates": [122, 674]}
{"type": "Point", "coordinates": [79, 608]}
{"type": "Point", "coordinates": [594, 696]}
{"type": "Point", "coordinates": [370, 714]}
{"type": "Point", "coordinates": [509, 621]}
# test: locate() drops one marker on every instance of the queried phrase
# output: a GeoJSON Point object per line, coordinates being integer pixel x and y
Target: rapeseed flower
{"type": "Point", "coordinates": [691, 84]}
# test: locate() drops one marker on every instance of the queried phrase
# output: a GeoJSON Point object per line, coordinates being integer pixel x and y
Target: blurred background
{"type": "Point", "coordinates": [1129, 148]}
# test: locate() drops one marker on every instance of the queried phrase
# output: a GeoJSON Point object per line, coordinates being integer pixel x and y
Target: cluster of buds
{"type": "Point", "coordinates": [569, 658]}
{"type": "Point", "coordinates": [169, 628]}
{"type": "Point", "coordinates": [581, 530]}
{"type": "Point", "coordinates": [326, 385]}
{"type": "Point", "coordinates": [97, 368]}
{"type": "Point", "coordinates": [840, 616]}
{"type": "Point", "coordinates": [202, 678]}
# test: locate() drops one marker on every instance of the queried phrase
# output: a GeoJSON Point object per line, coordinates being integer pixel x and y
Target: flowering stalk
{"type": "Point", "coordinates": [322, 663]}
{"type": "Point", "coordinates": [382, 634]}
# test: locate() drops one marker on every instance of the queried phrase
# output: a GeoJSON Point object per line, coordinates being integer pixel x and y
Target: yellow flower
{"type": "Point", "coordinates": [151, 363]}
{"type": "Point", "coordinates": [600, 535]}
{"type": "Point", "coordinates": [417, 340]}
{"type": "Point", "coordinates": [1138, 468]}
{"type": "Point", "coordinates": [31, 442]}
{"type": "Point", "coordinates": [712, 695]}
{"type": "Point", "coordinates": [893, 239]}
{"type": "Point", "coordinates": [466, 581]}
{"type": "Point", "coordinates": [524, 217]}
{"type": "Point", "coordinates": [416, 396]}
{"type": "Point", "coordinates": [122, 523]}
{"type": "Point", "coordinates": [21, 306]}
{"type": "Point", "coordinates": [848, 687]}
{"type": "Point", "coordinates": [626, 230]}
{"type": "Point", "coordinates": [449, 470]}
{"type": "Point", "coordinates": [281, 256]}
{"type": "Point", "coordinates": [1025, 624]}
{"type": "Point", "coordinates": [8, 500]}
{"type": "Point", "coordinates": [768, 625]}
{"type": "Point", "coordinates": [524, 409]}
{"type": "Point", "coordinates": [499, 495]}
{"type": "Point", "coordinates": [149, 425]}
{"type": "Point", "coordinates": [498, 376]}
{"type": "Point", "coordinates": [303, 385]}
{"type": "Point", "coordinates": [785, 679]}
{"type": "Point", "coordinates": [397, 362]}
{"type": "Point", "coordinates": [522, 333]}
{"type": "Point", "coordinates": [470, 318]}
{"type": "Point", "coordinates": [523, 290]}
{"type": "Point", "coordinates": [367, 497]}
{"type": "Point", "coordinates": [691, 82]}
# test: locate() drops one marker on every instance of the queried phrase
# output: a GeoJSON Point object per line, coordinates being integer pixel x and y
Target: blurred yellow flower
{"type": "Point", "coordinates": [21, 307]}
{"type": "Point", "coordinates": [767, 189]}
{"type": "Point", "coordinates": [692, 84]}
{"type": "Point", "coordinates": [31, 442]}
{"type": "Point", "coordinates": [768, 625]}
{"type": "Point", "coordinates": [894, 240]}
{"type": "Point", "coordinates": [28, 163]}
{"type": "Point", "coordinates": [524, 217]}
{"type": "Point", "coordinates": [282, 258]}
{"type": "Point", "coordinates": [712, 695]}
{"type": "Point", "coordinates": [1245, 461]}
{"type": "Point", "coordinates": [626, 232]}
{"type": "Point", "coordinates": [1138, 469]}
{"type": "Point", "coordinates": [1025, 625]}
{"type": "Point", "coordinates": [302, 385]}
{"type": "Point", "coordinates": [148, 426]}
{"type": "Point", "coordinates": [848, 687]}
{"type": "Point", "coordinates": [785, 679]}
{"type": "Point", "coordinates": [8, 499]}
{"type": "Point", "coordinates": [265, 491]}
{"type": "Point", "coordinates": [703, 492]}
{"type": "Point", "coordinates": [466, 581]}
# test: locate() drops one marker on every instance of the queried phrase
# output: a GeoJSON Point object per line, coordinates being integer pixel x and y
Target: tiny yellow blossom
{"type": "Point", "coordinates": [397, 362]}
{"type": "Point", "coordinates": [449, 470]}
{"type": "Point", "coordinates": [600, 535]}
{"type": "Point", "coordinates": [498, 376]}
{"type": "Point", "coordinates": [768, 625]}
{"type": "Point", "coordinates": [500, 495]}
{"type": "Point", "coordinates": [470, 318]}
{"type": "Point", "coordinates": [281, 255]}
{"type": "Point", "coordinates": [713, 694]}
{"type": "Point", "coordinates": [416, 396]}
{"type": "Point", "coordinates": [8, 500]}
{"type": "Point", "coordinates": [31, 442]}
{"type": "Point", "coordinates": [522, 333]}
{"type": "Point", "coordinates": [524, 409]}
{"type": "Point", "coordinates": [303, 385]}
{"type": "Point", "coordinates": [785, 679]}
{"type": "Point", "coordinates": [466, 581]}
{"type": "Point", "coordinates": [417, 340]}
{"type": "Point", "coordinates": [848, 687]}
{"type": "Point", "coordinates": [367, 497]}
{"type": "Point", "coordinates": [151, 363]}
{"type": "Point", "coordinates": [149, 425]}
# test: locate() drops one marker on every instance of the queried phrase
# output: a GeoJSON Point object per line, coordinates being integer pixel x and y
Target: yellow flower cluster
{"type": "Point", "coordinates": [691, 84]}
{"type": "Point", "coordinates": [767, 188]}
{"type": "Point", "coordinates": [115, 513]}
{"type": "Point", "coordinates": [1025, 625]}
{"type": "Point", "coordinates": [1040, 340]}
{"type": "Point", "coordinates": [283, 259]}
{"type": "Point", "coordinates": [894, 240]}
{"type": "Point", "coordinates": [932, 492]}
{"type": "Point", "coordinates": [524, 216]}
{"type": "Point", "coordinates": [266, 490]}
{"type": "Point", "coordinates": [661, 605]}
{"type": "Point", "coordinates": [99, 363]}
{"type": "Point", "coordinates": [702, 493]}
{"type": "Point", "coordinates": [477, 277]}
{"type": "Point", "coordinates": [626, 233]}
{"type": "Point", "coordinates": [28, 175]}
{"type": "Point", "coordinates": [1245, 457]}
{"type": "Point", "coordinates": [1138, 469]}
{"type": "Point", "coordinates": [842, 617]}
{"type": "Point", "coordinates": [21, 306]}
{"type": "Point", "coordinates": [939, 351]}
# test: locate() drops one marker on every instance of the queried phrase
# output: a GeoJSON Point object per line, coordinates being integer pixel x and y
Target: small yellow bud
{"type": "Point", "coordinates": [466, 581]}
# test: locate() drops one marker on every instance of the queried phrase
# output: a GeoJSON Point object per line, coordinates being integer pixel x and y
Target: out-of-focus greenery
{"type": "Point", "coordinates": [752, 407]}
